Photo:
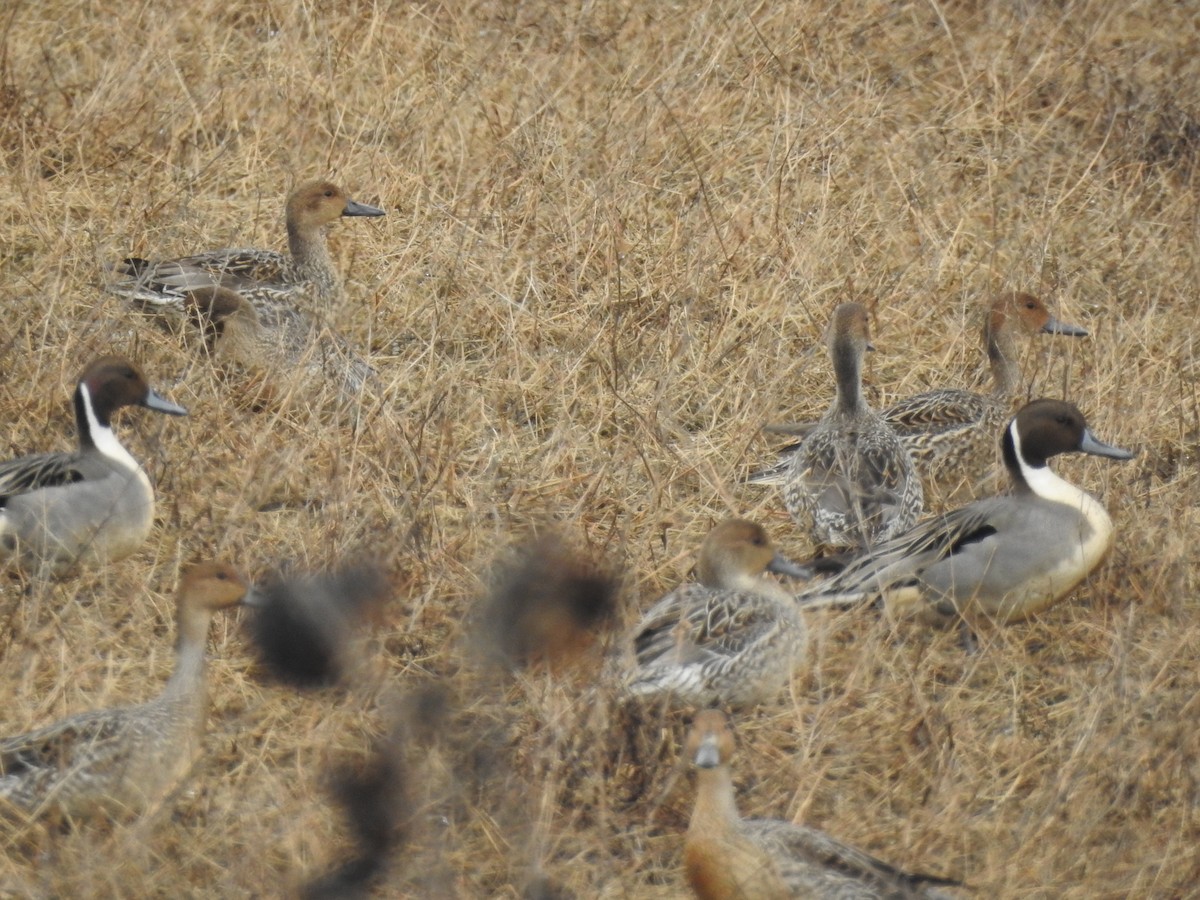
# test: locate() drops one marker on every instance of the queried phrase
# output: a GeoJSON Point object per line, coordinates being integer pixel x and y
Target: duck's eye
{"type": "Point", "coordinates": [329, 193]}
{"type": "Point", "coordinates": [1029, 304]}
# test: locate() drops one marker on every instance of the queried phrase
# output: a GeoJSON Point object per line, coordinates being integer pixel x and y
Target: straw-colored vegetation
{"type": "Point", "coordinates": [615, 232]}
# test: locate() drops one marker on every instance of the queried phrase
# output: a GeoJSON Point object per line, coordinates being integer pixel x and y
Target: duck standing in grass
{"type": "Point", "coordinates": [851, 481]}
{"type": "Point", "coordinates": [124, 760]}
{"type": "Point", "coordinates": [1003, 558]}
{"type": "Point", "coordinates": [727, 857]}
{"type": "Point", "coordinates": [286, 296]}
{"type": "Point", "coordinates": [949, 432]}
{"type": "Point", "coordinates": [734, 637]}
{"type": "Point", "coordinates": [93, 506]}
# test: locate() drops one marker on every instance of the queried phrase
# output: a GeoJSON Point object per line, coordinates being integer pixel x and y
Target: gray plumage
{"type": "Point", "coordinates": [950, 432]}
{"type": "Point", "coordinates": [1001, 558]}
{"type": "Point", "coordinates": [733, 638]}
{"type": "Point", "coordinates": [119, 761]}
{"type": "Point", "coordinates": [92, 506]}
{"type": "Point", "coordinates": [851, 482]}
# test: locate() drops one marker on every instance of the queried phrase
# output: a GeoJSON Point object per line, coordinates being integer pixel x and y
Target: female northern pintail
{"type": "Point", "coordinates": [123, 760]}
{"type": "Point", "coordinates": [1003, 558]}
{"type": "Point", "coordinates": [277, 285]}
{"type": "Point", "coordinates": [92, 506]}
{"type": "Point", "coordinates": [727, 857]}
{"type": "Point", "coordinates": [293, 345]}
{"type": "Point", "coordinates": [950, 431]}
{"type": "Point", "coordinates": [851, 478]}
{"type": "Point", "coordinates": [734, 637]}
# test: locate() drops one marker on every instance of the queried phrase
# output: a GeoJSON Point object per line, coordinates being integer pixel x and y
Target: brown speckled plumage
{"type": "Point", "coordinates": [733, 638]}
{"type": "Point", "coordinates": [851, 481]}
{"type": "Point", "coordinates": [120, 761]}
{"type": "Point", "coordinates": [293, 345]}
{"type": "Point", "coordinates": [727, 857]}
{"type": "Point", "coordinates": [950, 432]}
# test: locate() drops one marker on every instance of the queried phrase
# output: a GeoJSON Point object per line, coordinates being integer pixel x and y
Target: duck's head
{"type": "Point", "coordinates": [850, 327]}
{"type": "Point", "coordinates": [112, 382]}
{"type": "Point", "coordinates": [710, 742]}
{"type": "Point", "coordinates": [213, 586]}
{"type": "Point", "coordinates": [216, 304]}
{"type": "Point", "coordinates": [738, 551]}
{"type": "Point", "coordinates": [1045, 428]}
{"type": "Point", "coordinates": [319, 203]}
{"type": "Point", "coordinates": [1026, 314]}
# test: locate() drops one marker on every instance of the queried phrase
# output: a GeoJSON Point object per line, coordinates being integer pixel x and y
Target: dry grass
{"type": "Point", "coordinates": [615, 231]}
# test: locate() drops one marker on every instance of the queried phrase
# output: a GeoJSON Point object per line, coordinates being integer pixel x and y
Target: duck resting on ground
{"type": "Point", "coordinates": [733, 638]}
{"type": "Point", "coordinates": [949, 432]}
{"type": "Point", "coordinates": [1003, 558]}
{"type": "Point", "coordinates": [89, 507]}
{"type": "Point", "coordinates": [727, 857]}
{"type": "Point", "coordinates": [123, 760]}
{"type": "Point", "coordinates": [851, 481]}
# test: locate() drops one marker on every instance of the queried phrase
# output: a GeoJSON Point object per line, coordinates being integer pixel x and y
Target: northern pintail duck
{"type": "Point", "coordinates": [851, 479]}
{"type": "Point", "coordinates": [949, 432]}
{"type": "Point", "coordinates": [728, 857]}
{"type": "Point", "coordinates": [125, 759]}
{"type": "Point", "coordinates": [1002, 558]}
{"type": "Point", "coordinates": [92, 506]}
{"type": "Point", "coordinates": [276, 284]}
{"type": "Point", "coordinates": [732, 638]}
{"type": "Point", "coordinates": [293, 345]}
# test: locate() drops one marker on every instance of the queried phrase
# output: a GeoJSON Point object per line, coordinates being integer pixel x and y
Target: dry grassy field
{"type": "Point", "coordinates": [615, 232]}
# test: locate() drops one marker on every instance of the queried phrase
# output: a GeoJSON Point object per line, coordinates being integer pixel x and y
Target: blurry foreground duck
{"type": "Point", "coordinates": [851, 481]}
{"type": "Point", "coordinates": [1003, 558]}
{"type": "Point", "coordinates": [734, 637]}
{"type": "Point", "coordinates": [122, 761]}
{"type": "Point", "coordinates": [92, 506]}
{"type": "Point", "coordinates": [950, 431]}
{"type": "Point", "coordinates": [728, 857]}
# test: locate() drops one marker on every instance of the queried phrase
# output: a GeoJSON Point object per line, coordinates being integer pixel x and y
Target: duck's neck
{"type": "Point", "coordinates": [1030, 474]}
{"type": "Point", "coordinates": [311, 259]}
{"type": "Point", "coordinates": [847, 372]}
{"type": "Point", "coordinates": [1001, 353]}
{"type": "Point", "coordinates": [716, 807]}
{"type": "Point", "coordinates": [188, 677]}
{"type": "Point", "coordinates": [95, 432]}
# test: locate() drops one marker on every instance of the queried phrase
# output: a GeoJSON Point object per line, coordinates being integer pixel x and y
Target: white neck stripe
{"type": "Point", "coordinates": [1042, 480]}
{"type": "Point", "coordinates": [102, 436]}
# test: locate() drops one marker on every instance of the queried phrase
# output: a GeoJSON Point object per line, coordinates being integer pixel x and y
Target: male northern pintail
{"type": "Point", "coordinates": [950, 431]}
{"type": "Point", "coordinates": [727, 857]}
{"type": "Point", "coordinates": [276, 353]}
{"type": "Point", "coordinates": [92, 506]}
{"type": "Point", "coordinates": [732, 638]}
{"type": "Point", "coordinates": [851, 479]}
{"type": "Point", "coordinates": [277, 285]}
{"type": "Point", "coordinates": [1003, 558]}
{"type": "Point", "coordinates": [123, 760]}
